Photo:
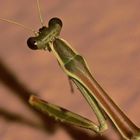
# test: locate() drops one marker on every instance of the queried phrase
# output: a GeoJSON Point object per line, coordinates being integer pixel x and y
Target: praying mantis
{"type": "Point", "coordinates": [78, 72]}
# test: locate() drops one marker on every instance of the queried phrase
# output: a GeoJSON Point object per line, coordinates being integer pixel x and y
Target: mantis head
{"type": "Point", "coordinates": [45, 35]}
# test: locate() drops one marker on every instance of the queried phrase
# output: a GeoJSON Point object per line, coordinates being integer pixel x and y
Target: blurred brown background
{"type": "Point", "coordinates": [105, 32]}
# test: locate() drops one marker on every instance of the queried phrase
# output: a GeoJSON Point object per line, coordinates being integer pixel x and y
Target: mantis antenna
{"type": "Point", "coordinates": [23, 26]}
{"type": "Point", "coordinates": [19, 24]}
{"type": "Point", "coordinates": [39, 12]}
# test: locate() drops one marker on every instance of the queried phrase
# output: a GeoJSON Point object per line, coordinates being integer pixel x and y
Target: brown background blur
{"type": "Point", "coordinates": [105, 32]}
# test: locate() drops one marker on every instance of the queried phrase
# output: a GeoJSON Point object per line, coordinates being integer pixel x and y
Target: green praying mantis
{"type": "Point", "coordinates": [77, 70]}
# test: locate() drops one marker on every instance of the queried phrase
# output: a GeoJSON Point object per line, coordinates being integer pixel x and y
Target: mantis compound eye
{"type": "Point", "coordinates": [31, 42]}
{"type": "Point", "coordinates": [55, 21]}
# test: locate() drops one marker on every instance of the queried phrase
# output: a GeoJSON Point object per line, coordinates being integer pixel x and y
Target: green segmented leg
{"type": "Point", "coordinates": [64, 115]}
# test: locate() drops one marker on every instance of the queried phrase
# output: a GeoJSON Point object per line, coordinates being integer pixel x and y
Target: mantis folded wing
{"type": "Point", "coordinates": [77, 70]}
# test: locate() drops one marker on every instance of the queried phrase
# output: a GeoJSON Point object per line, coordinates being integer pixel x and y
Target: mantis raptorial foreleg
{"type": "Point", "coordinates": [95, 107]}
{"type": "Point", "coordinates": [66, 116]}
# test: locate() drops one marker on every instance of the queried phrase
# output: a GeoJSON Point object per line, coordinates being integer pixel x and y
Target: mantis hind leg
{"type": "Point", "coordinates": [63, 115]}
{"type": "Point", "coordinates": [71, 85]}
